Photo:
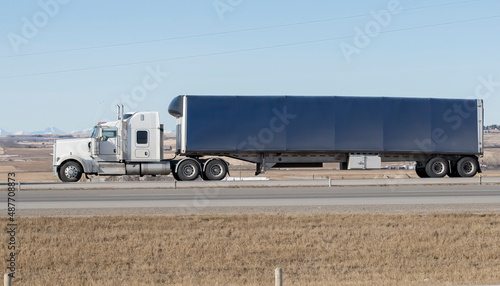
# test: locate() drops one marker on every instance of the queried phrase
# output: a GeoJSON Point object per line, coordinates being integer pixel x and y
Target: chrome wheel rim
{"type": "Point", "coordinates": [216, 170]}
{"type": "Point", "coordinates": [188, 171]}
{"type": "Point", "coordinates": [438, 168]}
{"type": "Point", "coordinates": [71, 172]}
{"type": "Point", "coordinates": [468, 168]}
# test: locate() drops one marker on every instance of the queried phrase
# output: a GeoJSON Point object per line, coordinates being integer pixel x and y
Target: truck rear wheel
{"type": "Point", "coordinates": [70, 172]}
{"type": "Point", "coordinates": [437, 167]}
{"type": "Point", "coordinates": [188, 170]}
{"type": "Point", "coordinates": [215, 170]}
{"type": "Point", "coordinates": [175, 176]}
{"type": "Point", "coordinates": [467, 167]}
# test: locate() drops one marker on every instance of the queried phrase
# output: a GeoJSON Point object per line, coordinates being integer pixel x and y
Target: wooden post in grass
{"type": "Point", "coordinates": [7, 280]}
{"type": "Point", "coordinates": [278, 277]}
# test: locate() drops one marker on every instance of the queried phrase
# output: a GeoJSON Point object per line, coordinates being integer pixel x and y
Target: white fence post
{"type": "Point", "coordinates": [278, 277]}
{"type": "Point", "coordinates": [7, 280]}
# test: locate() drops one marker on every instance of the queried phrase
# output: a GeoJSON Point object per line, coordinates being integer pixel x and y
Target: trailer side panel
{"type": "Point", "coordinates": [331, 123]}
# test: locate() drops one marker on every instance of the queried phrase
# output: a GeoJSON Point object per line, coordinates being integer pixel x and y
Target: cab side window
{"type": "Point", "coordinates": [142, 137]}
{"type": "Point", "coordinates": [106, 134]}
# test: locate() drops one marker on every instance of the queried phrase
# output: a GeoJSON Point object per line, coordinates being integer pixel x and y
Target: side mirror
{"type": "Point", "coordinates": [94, 147]}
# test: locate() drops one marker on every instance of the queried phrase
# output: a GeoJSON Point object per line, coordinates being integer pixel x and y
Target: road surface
{"type": "Point", "coordinates": [470, 198]}
{"type": "Point", "coordinates": [261, 183]}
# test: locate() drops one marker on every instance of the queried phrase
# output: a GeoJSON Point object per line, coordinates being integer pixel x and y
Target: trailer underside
{"type": "Point", "coordinates": [427, 165]}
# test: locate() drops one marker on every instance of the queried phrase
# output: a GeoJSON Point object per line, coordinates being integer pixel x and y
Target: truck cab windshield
{"type": "Point", "coordinates": [95, 133]}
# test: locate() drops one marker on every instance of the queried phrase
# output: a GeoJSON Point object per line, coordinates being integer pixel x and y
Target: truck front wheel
{"type": "Point", "coordinates": [188, 170]}
{"type": "Point", "coordinates": [70, 172]}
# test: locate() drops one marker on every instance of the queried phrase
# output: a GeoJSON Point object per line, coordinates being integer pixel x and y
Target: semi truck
{"type": "Point", "coordinates": [442, 136]}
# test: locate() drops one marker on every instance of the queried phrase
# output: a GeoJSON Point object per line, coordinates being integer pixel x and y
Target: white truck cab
{"type": "Point", "coordinates": [131, 145]}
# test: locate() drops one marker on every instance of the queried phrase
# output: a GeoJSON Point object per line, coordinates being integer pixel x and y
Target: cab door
{"type": "Point", "coordinates": [108, 146]}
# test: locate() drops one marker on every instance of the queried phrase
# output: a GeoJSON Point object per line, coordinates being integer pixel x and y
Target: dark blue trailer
{"type": "Point", "coordinates": [443, 136]}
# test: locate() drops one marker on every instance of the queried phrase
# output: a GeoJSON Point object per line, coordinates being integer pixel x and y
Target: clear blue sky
{"type": "Point", "coordinates": [417, 49]}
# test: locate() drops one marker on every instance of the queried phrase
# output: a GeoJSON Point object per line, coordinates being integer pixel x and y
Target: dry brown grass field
{"type": "Point", "coordinates": [328, 249]}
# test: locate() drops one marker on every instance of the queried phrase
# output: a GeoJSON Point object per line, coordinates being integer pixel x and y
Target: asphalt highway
{"type": "Point", "coordinates": [259, 183]}
{"type": "Point", "coordinates": [266, 198]}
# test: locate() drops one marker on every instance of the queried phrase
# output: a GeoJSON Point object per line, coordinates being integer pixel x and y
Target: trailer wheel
{"type": "Point", "coordinates": [421, 172]}
{"type": "Point", "coordinates": [437, 167]}
{"type": "Point", "coordinates": [70, 171]}
{"type": "Point", "coordinates": [188, 170]}
{"type": "Point", "coordinates": [215, 170]}
{"type": "Point", "coordinates": [467, 167]}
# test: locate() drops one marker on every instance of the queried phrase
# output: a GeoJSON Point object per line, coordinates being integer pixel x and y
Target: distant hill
{"type": "Point", "coordinates": [49, 130]}
{"type": "Point", "coordinates": [3, 132]}
{"type": "Point", "coordinates": [84, 131]}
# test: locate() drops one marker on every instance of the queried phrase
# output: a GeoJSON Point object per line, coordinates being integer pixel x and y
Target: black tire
{"type": "Point", "coordinates": [70, 172]}
{"type": "Point", "coordinates": [175, 176]}
{"type": "Point", "coordinates": [204, 177]}
{"type": "Point", "coordinates": [467, 167]}
{"type": "Point", "coordinates": [421, 172]}
{"type": "Point", "coordinates": [188, 170]}
{"type": "Point", "coordinates": [215, 170]}
{"type": "Point", "coordinates": [437, 167]}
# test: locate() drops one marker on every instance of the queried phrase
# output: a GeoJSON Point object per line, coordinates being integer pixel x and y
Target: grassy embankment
{"type": "Point", "coordinates": [328, 249]}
